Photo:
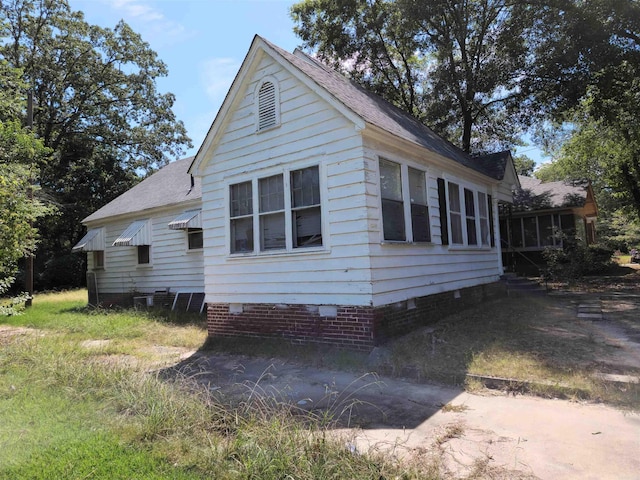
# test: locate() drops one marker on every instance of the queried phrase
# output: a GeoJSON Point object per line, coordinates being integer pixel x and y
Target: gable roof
{"type": "Point", "coordinates": [537, 195]}
{"type": "Point", "coordinates": [169, 185]}
{"type": "Point", "coordinates": [353, 100]}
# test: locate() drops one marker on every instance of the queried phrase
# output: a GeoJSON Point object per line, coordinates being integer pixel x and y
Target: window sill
{"type": "Point", "coordinates": [411, 244]}
{"type": "Point", "coordinates": [280, 253]}
{"type": "Point", "coordinates": [471, 248]}
{"type": "Point", "coordinates": [144, 266]}
{"type": "Point", "coordinates": [268, 129]}
{"type": "Point", "coordinates": [97, 269]}
{"type": "Point", "coordinates": [194, 250]}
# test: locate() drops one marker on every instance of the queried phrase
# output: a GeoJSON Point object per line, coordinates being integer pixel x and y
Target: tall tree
{"type": "Point", "coordinates": [20, 153]}
{"type": "Point", "coordinates": [454, 65]}
{"type": "Point", "coordinates": [588, 75]}
{"type": "Point", "coordinates": [97, 108]}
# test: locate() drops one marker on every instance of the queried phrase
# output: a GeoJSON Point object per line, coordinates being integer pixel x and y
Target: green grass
{"type": "Point", "coordinates": [68, 411]}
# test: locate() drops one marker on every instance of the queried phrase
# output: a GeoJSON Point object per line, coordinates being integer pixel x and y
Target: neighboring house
{"type": "Point", "coordinates": [148, 242]}
{"type": "Point", "coordinates": [546, 215]}
{"type": "Point", "coordinates": [332, 216]}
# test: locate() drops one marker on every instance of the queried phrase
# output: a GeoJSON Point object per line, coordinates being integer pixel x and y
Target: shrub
{"type": "Point", "coordinates": [576, 260]}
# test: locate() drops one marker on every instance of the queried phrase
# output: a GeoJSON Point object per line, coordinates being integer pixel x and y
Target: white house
{"type": "Point", "coordinates": [147, 243]}
{"type": "Point", "coordinates": [331, 216]}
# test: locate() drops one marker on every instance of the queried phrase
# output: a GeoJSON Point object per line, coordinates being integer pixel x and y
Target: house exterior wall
{"type": "Point", "coordinates": [311, 133]}
{"type": "Point", "coordinates": [344, 291]}
{"type": "Point", "coordinates": [406, 270]}
{"type": "Point", "coordinates": [172, 265]}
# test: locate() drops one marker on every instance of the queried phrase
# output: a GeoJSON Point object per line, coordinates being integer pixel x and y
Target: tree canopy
{"type": "Point", "coordinates": [454, 65]}
{"type": "Point", "coordinates": [96, 106]}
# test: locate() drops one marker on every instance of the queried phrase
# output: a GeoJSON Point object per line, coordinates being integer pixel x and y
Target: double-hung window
{"type": "Point", "coordinates": [405, 210]}
{"type": "Point", "coordinates": [455, 214]}
{"type": "Point", "coordinates": [286, 212]}
{"type": "Point", "coordinates": [469, 214]}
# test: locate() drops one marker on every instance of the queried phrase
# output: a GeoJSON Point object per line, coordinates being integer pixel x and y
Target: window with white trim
{"type": "Point", "coordinates": [470, 214]}
{"type": "Point", "coordinates": [286, 213]}
{"type": "Point", "coordinates": [472, 206]}
{"type": "Point", "coordinates": [455, 214]}
{"type": "Point", "coordinates": [98, 259]}
{"type": "Point", "coordinates": [194, 238]}
{"type": "Point", "coordinates": [483, 215]}
{"type": "Point", "coordinates": [267, 104]}
{"type": "Point", "coordinates": [144, 254]}
{"type": "Point", "coordinates": [405, 210]}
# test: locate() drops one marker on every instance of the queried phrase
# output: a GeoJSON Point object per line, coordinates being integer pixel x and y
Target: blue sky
{"type": "Point", "coordinates": [203, 43]}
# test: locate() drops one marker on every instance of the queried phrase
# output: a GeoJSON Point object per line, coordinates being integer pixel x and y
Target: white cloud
{"type": "Point", "coordinates": [216, 76]}
{"type": "Point", "coordinates": [137, 9]}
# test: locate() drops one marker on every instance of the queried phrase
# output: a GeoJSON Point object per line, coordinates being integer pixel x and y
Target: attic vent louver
{"type": "Point", "coordinates": [267, 113]}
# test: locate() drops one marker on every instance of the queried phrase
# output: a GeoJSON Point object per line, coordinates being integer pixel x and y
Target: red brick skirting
{"type": "Point", "coordinates": [347, 326]}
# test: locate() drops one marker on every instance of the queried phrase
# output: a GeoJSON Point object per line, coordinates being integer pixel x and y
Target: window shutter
{"type": "Point", "coordinates": [490, 212]}
{"type": "Point", "coordinates": [442, 203]}
{"type": "Point", "coordinates": [266, 106]}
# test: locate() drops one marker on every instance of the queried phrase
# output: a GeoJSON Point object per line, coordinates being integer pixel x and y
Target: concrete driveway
{"type": "Point", "coordinates": [495, 434]}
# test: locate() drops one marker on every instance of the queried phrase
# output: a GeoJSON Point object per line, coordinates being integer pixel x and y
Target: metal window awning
{"type": "Point", "coordinates": [91, 242]}
{"type": "Point", "coordinates": [189, 219]}
{"type": "Point", "coordinates": [136, 234]}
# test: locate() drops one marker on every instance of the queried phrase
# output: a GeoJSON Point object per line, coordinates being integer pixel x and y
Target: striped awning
{"type": "Point", "coordinates": [91, 242]}
{"type": "Point", "coordinates": [136, 234]}
{"type": "Point", "coordinates": [189, 219]}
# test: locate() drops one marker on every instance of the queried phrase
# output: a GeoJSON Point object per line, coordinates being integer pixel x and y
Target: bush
{"type": "Point", "coordinates": [576, 260]}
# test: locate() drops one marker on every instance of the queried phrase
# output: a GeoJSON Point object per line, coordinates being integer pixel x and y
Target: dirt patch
{"type": "Point", "coordinates": [8, 333]}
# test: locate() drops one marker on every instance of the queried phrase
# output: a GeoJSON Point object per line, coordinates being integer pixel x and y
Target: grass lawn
{"type": "Point", "coordinates": [79, 399]}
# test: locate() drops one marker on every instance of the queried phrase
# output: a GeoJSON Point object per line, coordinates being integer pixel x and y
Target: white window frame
{"type": "Point", "coordinates": [276, 99]}
{"type": "Point", "coordinates": [94, 264]}
{"type": "Point", "coordinates": [288, 210]}
{"type": "Point", "coordinates": [189, 233]}
{"type": "Point", "coordinates": [406, 201]}
{"type": "Point", "coordinates": [476, 195]}
{"type": "Point", "coordinates": [149, 263]}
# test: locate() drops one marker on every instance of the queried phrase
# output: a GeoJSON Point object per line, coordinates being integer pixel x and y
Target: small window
{"type": "Point", "coordinates": [144, 254]}
{"type": "Point", "coordinates": [98, 259]}
{"type": "Point", "coordinates": [419, 207]}
{"type": "Point", "coordinates": [306, 216]}
{"type": "Point", "coordinates": [455, 214]}
{"type": "Point", "coordinates": [267, 108]}
{"type": "Point", "coordinates": [241, 217]}
{"type": "Point", "coordinates": [194, 238]}
{"type": "Point", "coordinates": [392, 204]}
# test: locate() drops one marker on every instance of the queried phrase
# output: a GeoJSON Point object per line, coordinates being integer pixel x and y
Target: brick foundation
{"type": "Point", "coordinates": [353, 327]}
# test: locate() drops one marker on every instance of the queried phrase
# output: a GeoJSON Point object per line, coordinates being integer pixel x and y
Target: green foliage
{"type": "Point", "coordinates": [96, 106]}
{"type": "Point", "coordinates": [524, 165]}
{"type": "Point", "coordinates": [20, 151]}
{"type": "Point", "coordinates": [454, 65]}
{"type": "Point", "coordinates": [576, 260]}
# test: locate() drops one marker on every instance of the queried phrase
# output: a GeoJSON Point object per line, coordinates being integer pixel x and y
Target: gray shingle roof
{"type": "Point", "coordinates": [169, 185]}
{"type": "Point", "coordinates": [536, 195]}
{"type": "Point", "coordinates": [377, 111]}
{"type": "Point", "coordinates": [494, 163]}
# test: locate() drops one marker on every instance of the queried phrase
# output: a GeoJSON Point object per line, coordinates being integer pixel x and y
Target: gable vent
{"type": "Point", "coordinates": [267, 106]}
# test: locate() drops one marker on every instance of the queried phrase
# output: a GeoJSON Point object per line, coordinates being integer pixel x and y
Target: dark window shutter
{"type": "Point", "coordinates": [442, 203]}
{"type": "Point", "coordinates": [490, 212]}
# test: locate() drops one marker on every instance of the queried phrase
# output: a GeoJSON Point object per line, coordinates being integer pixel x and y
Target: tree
{"type": "Point", "coordinates": [20, 152]}
{"type": "Point", "coordinates": [524, 165]}
{"type": "Point", "coordinates": [96, 107]}
{"type": "Point", "coordinates": [587, 74]}
{"type": "Point", "coordinates": [454, 65]}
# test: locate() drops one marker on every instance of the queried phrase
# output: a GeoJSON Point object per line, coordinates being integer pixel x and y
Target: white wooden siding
{"type": "Point", "coordinates": [401, 271]}
{"type": "Point", "coordinates": [172, 265]}
{"type": "Point", "coordinates": [311, 132]}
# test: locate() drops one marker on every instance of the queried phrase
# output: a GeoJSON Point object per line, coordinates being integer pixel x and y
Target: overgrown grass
{"type": "Point", "coordinates": [531, 339]}
{"type": "Point", "coordinates": [70, 411]}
